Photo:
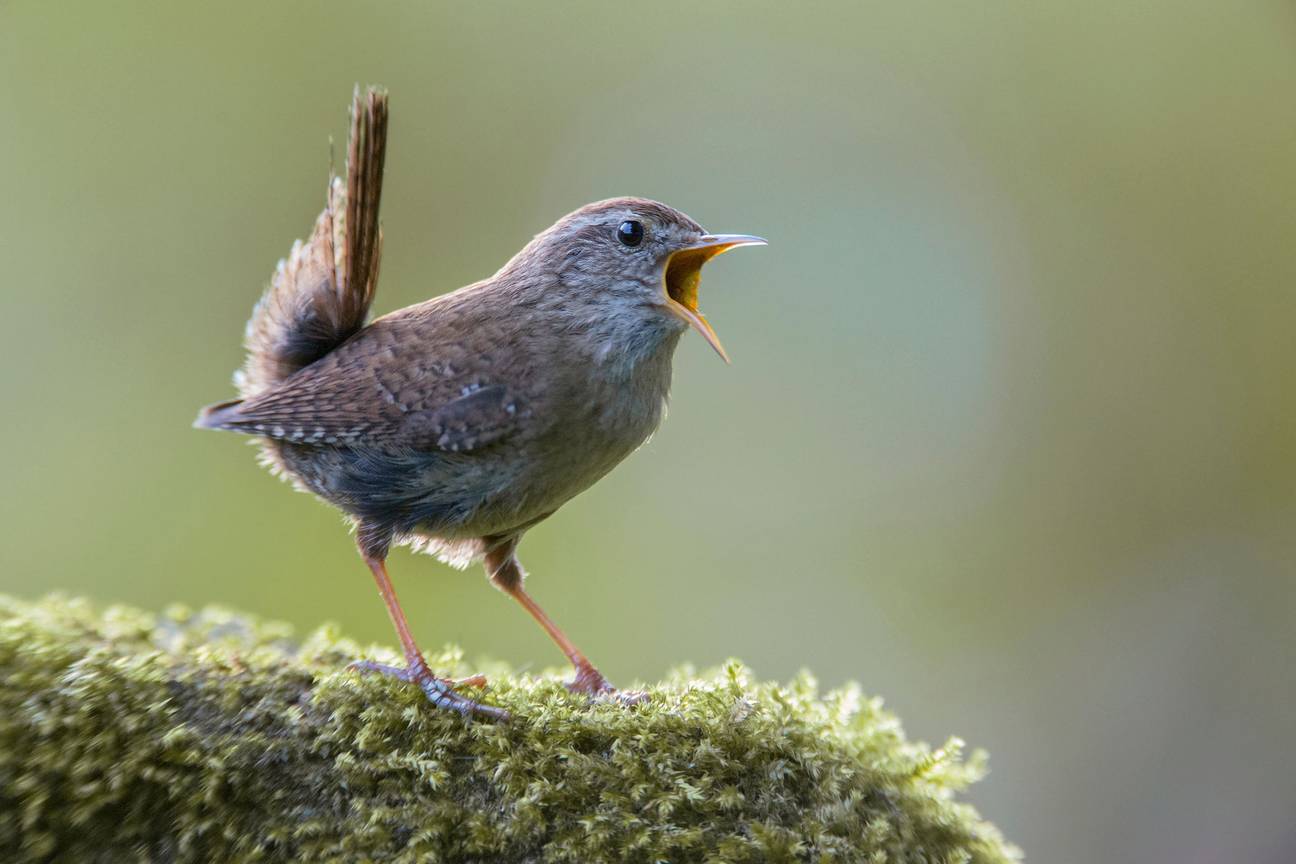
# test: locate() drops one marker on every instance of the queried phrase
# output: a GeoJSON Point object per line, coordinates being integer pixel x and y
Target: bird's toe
{"type": "Point", "coordinates": [439, 691]}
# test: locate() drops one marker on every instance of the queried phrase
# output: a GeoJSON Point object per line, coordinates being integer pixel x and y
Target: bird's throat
{"type": "Point", "coordinates": [684, 275]}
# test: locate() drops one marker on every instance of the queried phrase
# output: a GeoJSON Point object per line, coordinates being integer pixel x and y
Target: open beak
{"type": "Point", "coordinates": [684, 272]}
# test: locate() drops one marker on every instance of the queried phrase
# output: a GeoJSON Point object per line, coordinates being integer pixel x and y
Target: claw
{"type": "Point", "coordinates": [439, 691]}
{"type": "Point", "coordinates": [590, 682]}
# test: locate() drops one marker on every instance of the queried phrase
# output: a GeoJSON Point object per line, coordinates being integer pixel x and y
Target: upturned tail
{"type": "Point", "coordinates": [319, 297]}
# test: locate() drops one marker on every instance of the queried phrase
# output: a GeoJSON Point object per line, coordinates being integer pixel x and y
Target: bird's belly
{"type": "Point", "coordinates": [450, 496]}
{"type": "Point", "coordinates": [497, 490]}
{"type": "Point", "coordinates": [534, 486]}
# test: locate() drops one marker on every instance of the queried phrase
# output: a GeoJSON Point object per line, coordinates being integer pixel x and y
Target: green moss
{"type": "Point", "coordinates": [211, 736]}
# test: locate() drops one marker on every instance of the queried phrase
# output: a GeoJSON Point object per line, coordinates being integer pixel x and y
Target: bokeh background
{"type": "Point", "coordinates": [1009, 433]}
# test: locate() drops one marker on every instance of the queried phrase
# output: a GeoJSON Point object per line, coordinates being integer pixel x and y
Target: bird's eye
{"type": "Point", "coordinates": [630, 232]}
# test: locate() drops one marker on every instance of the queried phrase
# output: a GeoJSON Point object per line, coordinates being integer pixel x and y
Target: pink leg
{"type": "Point", "coordinates": [439, 690]}
{"type": "Point", "coordinates": [507, 574]}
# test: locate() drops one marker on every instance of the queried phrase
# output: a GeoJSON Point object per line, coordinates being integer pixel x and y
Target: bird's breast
{"type": "Point", "coordinates": [587, 425]}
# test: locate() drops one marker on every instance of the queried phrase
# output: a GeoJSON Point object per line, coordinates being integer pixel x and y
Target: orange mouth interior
{"type": "Point", "coordinates": [684, 274]}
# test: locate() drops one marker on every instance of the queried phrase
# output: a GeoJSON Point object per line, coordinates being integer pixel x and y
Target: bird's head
{"type": "Point", "coordinates": [633, 257]}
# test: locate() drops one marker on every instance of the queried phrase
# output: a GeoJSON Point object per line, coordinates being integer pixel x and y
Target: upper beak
{"type": "Point", "coordinates": [684, 272]}
{"type": "Point", "coordinates": [719, 243]}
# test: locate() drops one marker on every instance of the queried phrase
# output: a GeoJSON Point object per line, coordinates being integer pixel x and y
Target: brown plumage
{"type": "Point", "coordinates": [456, 424]}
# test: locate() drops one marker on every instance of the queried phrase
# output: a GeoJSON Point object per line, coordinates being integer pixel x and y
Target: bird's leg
{"type": "Point", "coordinates": [439, 690]}
{"type": "Point", "coordinates": [506, 573]}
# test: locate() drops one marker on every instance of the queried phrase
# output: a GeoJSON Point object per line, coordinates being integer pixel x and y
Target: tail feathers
{"type": "Point", "coordinates": [217, 416]}
{"type": "Point", "coordinates": [320, 296]}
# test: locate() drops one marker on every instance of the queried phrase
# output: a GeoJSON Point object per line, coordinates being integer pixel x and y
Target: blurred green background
{"type": "Point", "coordinates": [1009, 433]}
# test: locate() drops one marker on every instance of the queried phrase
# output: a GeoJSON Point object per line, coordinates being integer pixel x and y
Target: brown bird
{"type": "Point", "coordinates": [456, 424]}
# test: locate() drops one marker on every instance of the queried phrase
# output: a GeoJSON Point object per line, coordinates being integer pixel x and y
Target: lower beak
{"type": "Point", "coordinates": [684, 272]}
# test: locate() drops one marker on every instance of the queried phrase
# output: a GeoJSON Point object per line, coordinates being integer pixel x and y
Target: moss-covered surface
{"type": "Point", "coordinates": [213, 737]}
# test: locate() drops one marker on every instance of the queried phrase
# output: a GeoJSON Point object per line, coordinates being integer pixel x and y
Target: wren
{"type": "Point", "coordinates": [455, 425]}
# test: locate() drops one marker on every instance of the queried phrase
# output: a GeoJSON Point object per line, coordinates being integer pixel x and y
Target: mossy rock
{"type": "Point", "coordinates": [211, 736]}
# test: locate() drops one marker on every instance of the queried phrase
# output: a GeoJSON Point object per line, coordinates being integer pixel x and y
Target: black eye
{"type": "Point", "coordinates": [630, 232]}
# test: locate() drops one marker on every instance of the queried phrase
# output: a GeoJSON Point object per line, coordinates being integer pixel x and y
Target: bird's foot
{"type": "Point", "coordinates": [440, 691]}
{"type": "Point", "coordinates": [404, 674]}
{"type": "Point", "coordinates": [590, 682]}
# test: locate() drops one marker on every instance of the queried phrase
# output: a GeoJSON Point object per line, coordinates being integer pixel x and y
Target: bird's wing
{"type": "Point", "coordinates": [349, 399]}
{"type": "Point", "coordinates": [476, 419]}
